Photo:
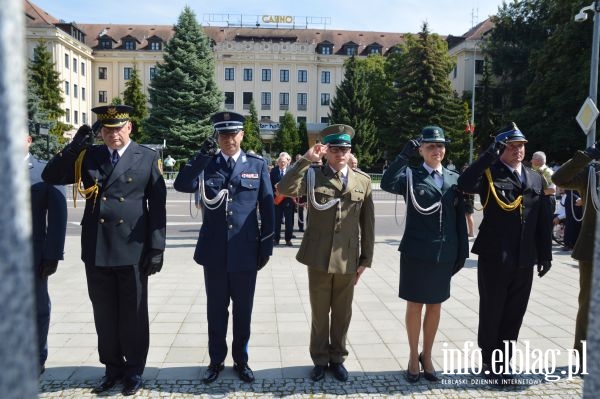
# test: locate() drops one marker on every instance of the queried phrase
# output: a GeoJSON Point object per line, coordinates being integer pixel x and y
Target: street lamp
{"type": "Point", "coordinates": [580, 17]}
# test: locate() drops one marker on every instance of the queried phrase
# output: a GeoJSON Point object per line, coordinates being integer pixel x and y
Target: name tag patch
{"type": "Point", "coordinates": [249, 175]}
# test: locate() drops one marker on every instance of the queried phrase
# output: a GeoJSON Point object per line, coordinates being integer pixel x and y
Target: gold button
{"type": "Point", "coordinates": [101, 220]}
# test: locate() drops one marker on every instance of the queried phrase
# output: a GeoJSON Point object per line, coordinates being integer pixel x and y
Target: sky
{"type": "Point", "coordinates": [444, 17]}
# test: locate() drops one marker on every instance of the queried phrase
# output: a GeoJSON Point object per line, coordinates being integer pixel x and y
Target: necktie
{"type": "Point", "coordinates": [518, 177]}
{"type": "Point", "coordinates": [438, 182]}
{"type": "Point", "coordinates": [230, 164]}
{"type": "Point", "coordinates": [340, 177]}
{"type": "Point", "coordinates": [114, 158]}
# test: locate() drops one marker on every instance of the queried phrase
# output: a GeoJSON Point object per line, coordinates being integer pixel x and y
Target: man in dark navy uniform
{"type": "Point", "coordinates": [48, 229]}
{"type": "Point", "coordinates": [514, 236]}
{"type": "Point", "coordinates": [233, 243]}
{"type": "Point", "coordinates": [122, 237]}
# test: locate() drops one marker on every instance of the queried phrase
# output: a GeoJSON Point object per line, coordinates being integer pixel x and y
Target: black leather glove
{"type": "Point", "coordinates": [410, 148]}
{"type": "Point", "coordinates": [83, 138]}
{"type": "Point", "coordinates": [593, 152]}
{"type": "Point", "coordinates": [495, 148]}
{"type": "Point", "coordinates": [262, 261]}
{"type": "Point", "coordinates": [153, 261]}
{"type": "Point", "coordinates": [458, 265]}
{"type": "Point", "coordinates": [209, 147]}
{"type": "Point", "coordinates": [48, 267]}
{"type": "Point", "coordinates": [543, 267]}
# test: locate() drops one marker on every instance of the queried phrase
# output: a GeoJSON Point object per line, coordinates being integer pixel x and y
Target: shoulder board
{"type": "Point", "coordinates": [146, 147]}
{"type": "Point", "coordinates": [360, 172]}
{"type": "Point", "coordinates": [451, 172]}
{"type": "Point", "coordinates": [256, 156]}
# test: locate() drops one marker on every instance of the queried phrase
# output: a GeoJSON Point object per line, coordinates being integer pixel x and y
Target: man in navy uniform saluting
{"type": "Point", "coordinates": [232, 244]}
{"type": "Point", "coordinates": [122, 237]}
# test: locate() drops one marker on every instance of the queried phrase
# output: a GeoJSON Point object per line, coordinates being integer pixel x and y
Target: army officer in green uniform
{"type": "Point", "coordinates": [434, 244]}
{"type": "Point", "coordinates": [338, 242]}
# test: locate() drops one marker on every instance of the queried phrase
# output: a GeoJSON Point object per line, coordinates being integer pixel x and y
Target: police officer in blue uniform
{"type": "Point", "coordinates": [122, 237]}
{"type": "Point", "coordinates": [233, 243]}
{"type": "Point", "coordinates": [48, 229]}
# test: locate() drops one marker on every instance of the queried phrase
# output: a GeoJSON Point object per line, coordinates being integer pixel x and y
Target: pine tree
{"type": "Point", "coordinates": [352, 106]}
{"type": "Point", "coordinates": [252, 141]}
{"type": "Point", "coordinates": [287, 138]}
{"type": "Point", "coordinates": [184, 93]}
{"type": "Point", "coordinates": [45, 82]}
{"type": "Point", "coordinates": [135, 97]}
{"type": "Point", "coordinates": [424, 95]}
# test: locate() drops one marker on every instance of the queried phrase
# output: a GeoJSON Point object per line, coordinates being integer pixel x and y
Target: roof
{"type": "Point", "coordinates": [38, 17]}
{"type": "Point", "coordinates": [475, 33]}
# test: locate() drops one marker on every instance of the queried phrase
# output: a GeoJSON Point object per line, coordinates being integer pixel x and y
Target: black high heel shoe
{"type": "Point", "coordinates": [412, 378]}
{"type": "Point", "coordinates": [428, 376]}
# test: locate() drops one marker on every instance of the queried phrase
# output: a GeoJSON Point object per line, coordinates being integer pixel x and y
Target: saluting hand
{"type": "Point", "coordinates": [316, 152]}
{"type": "Point", "coordinates": [359, 272]}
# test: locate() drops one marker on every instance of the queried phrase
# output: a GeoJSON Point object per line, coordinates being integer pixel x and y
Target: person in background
{"type": "Point", "coordinates": [235, 241]}
{"type": "Point", "coordinates": [122, 237]}
{"type": "Point", "coordinates": [434, 245]}
{"type": "Point", "coordinates": [581, 173]}
{"type": "Point", "coordinates": [284, 206]}
{"type": "Point", "coordinates": [338, 243]}
{"type": "Point", "coordinates": [451, 166]}
{"type": "Point", "coordinates": [169, 163]}
{"type": "Point", "coordinates": [514, 236]}
{"type": "Point", "coordinates": [48, 230]}
{"type": "Point", "coordinates": [352, 162]}
{"type": "Point", "coordinates": [538, 163]}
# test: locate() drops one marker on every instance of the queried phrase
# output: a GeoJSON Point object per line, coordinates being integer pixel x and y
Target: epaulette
{"type": "Point", "coordinates": [452, 172]}
{"type": "Point", "coordinates": [254, 156]}
{"type": "Point", "coordinates": [150, 148]}
{"type": "Point", "coordinates": [360, 172]}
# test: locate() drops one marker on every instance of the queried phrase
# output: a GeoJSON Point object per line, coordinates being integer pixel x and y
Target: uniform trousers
{"type": "Point", "coordinates": [119, 298]}
{"type": "Point", "coordinates": [585, 287]}
{"type": "Point", "coordinates": [329, 292]}
{"type": "Point", "coordinates": [42, 300]}
{"type": "Point", "coordinates": [503, 298]}
{"type": "Point", "coordinates": [221, 288]}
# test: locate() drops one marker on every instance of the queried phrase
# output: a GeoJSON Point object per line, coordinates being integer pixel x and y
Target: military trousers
{"type": "Point", "coordinates": [331, 308]}
{"type": "Point", "coordinates": [585, 287]}
{"type": "Point", "coordinates": [42, 299]}
{"type": "Point", "coordinates": [119, 298]}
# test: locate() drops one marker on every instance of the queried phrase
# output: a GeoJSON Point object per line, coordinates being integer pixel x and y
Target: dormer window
{"type": "Point", "coordinates": [155, 43]}
{"type": "Point", "coordinates": [325, 48]}
{"type": "Point", "coordinates": [351, 50]}
{"type": "Point", "coordinates": [129, 44]}
{"type": "Point", "coordinates": [105, 42]}
{"type": "Point", "coordinates": [155, 46]}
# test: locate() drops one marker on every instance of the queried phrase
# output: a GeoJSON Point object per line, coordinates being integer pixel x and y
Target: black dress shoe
{"type": "Point", "coordinates": [412, 378]}
{"type": "Point", "coordinates": [289, 243]}
{"type": "Point", "coordinates": [244, 372]}
{"type": "Point", "coordinates": [318, 373]}
{"type": "Point", "coordinates": [339, 371]}
{"type": "Point", "coordinates": [42, 369]}
{"type": "Point", "coordinates": [105, 384]}
{"type": "Point", "coordinates": [131, 385]}
{"type": "Point", "coordinates": [212, 373]}
{"type": "Point", "coordinates": [428, 376]}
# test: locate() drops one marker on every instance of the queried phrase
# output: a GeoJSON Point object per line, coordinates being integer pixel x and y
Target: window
{"type": "Point", "coordinates": [155, 46]}
{"type": "Point", "coordinates": [302, 76]}
{"type": "Point", "coordinates": [325, 98]}
{"type": "Point", "coordinates": [66, 88]}
{"type": "Point", "coordinates": [265, 100]}
{"type": "Point", "coordinates": [83, 95]}
{"type": "Point", "coordinates": [127, 73]}
{"type": "Point", "coordinates": [75, 65]}
{"type": "Point", "coordinates": [374, 50]}
{"type": "Point", "coordinates": [479, 67]}
{"type": "Point", "coordinates": [325, 77]}
{"type": "Point", "coordinates": [129, 45]}
{"type": "Point", "coordinates": [152, 72]}
{"type": "Point", "coordinates": [229, 73]}
{"type": "Point", "coordinates": [326, 49]}
{"type": "Point", "coordinates": [284, 101]}
{"type": "Point", "coordinates": [284, 75]}
{"type": "Point", "coordinates": [351, 50]}
{"type": "Point", "coordinates": [229, 99]}
{"type": "Point", "coordinates": [247, 74]}
{"type": "Point", "coordinates": [84, 118]}
{"type": "Point", "coordinates": [83, 69]}
{"type": "Point", "coordinates": [247, 99]}
{"type": "Point", "coordinates": [75, 117]}
{"type": "Point", "coordinates": [106, 43]}
{"type": "Point", "coordinates": [75, 92]}
{"type": "Point", "coordinates": [302, 101]}
{"type": "Point", "coordinates": [102, 73]}
{"type": "Point", "coordinates": [102, 96]}
{"type": "Point", "coordinates": [67, 61]}
{"type": "Point", "coordinates": [266, 75]}
{"type": "Point", "coordinates": [324, 119]}
{"type": "Point", "coordinates": [454, 72]}
{"type": "Point", "coordinates": [68, 115]}
{"type": "Point", "coordinates": [301, 119]}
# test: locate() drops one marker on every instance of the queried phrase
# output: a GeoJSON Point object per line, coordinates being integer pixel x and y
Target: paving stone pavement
{"type": "Point", "coordinates": [278, 349]}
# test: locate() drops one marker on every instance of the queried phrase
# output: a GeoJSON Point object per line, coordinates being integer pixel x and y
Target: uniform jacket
{"type": "Point", "coordinates": [328, 244]}
{"type": "Point", "coordinates": [234, 240]}
{"type": "Point", "coordinates": [423, 238]}
{"type": "Point", "coordinates": [128, 216]}
{"type": "Point", "coordinates": [510, 237]}
{"type": "Point", "coordinates": [48, 215]}
{"type": "Point", "coordinates": [574, 175]}
{"type": "Point", "coordinates": [275, 178]}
